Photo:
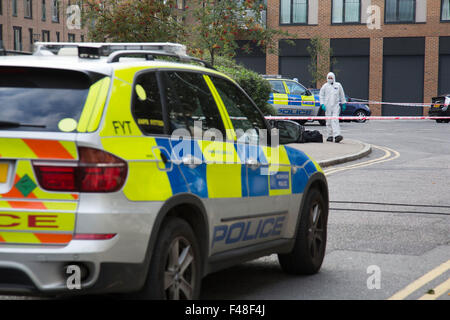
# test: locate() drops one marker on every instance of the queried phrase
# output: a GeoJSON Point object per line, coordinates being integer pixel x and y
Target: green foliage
{"type": "Point", "coordinates": [133, 20]}
{"type": "Point", "coordinates": [256, 86]}
{"type": "Point", "coordinates": [319, 52]}
{"type": "Point", "coordinates": [218, 24]}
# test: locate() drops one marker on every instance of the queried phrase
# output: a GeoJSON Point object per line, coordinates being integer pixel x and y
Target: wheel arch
{"type": "Point", "coordinates": [318, 181]}
{"type": "Point", "coordinates": [189, 208]}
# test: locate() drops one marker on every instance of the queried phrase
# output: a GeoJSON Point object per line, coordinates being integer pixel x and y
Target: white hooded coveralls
{"type": "Point", "coordinates": [330, 96]}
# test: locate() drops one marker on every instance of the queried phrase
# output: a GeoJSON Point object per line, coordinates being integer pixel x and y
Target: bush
{"type": "Point", "coordinates": [256, 86]}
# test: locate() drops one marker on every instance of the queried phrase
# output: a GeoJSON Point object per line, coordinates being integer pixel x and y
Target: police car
{"type": "Point", "coordinates": [290, 98]}
{"type": "Point", "coordinates": [114, 179]}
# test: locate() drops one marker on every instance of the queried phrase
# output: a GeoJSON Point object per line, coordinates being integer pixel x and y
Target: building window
{"type": "Point", "coordinates": [346, 11]}
{"type": "Point", "coordinates": [400, 11]}
{"type": "Point", "coordinates": [1, 8]}
{"type": "Point", "coordinates": [294, 12]}
{"type": "Point", "coordinates": [71, 37]}
{"type": "Point", "coordinates": [1, 36]}
{"type": "Point", "coordinates": [45, 36]}
{"type": "Point", "coordinates": [17, 38]}
{"type": "Point", "coordinates": [445, 10]}
{"type": "Point", "coordinates": [44, 11]}
{"type": "Point", "coordinates": [30, 35]}
{"type": "Point", "coordinates": [55, 10]}
{"type": "Point", "coordinates": [58, 36]}
{"type": "Point", "coordinates": [28, 9]}
{"type": "Point", "coordinates": [14, 8]}
{"type": "Point", "coordinates": [82, 38]}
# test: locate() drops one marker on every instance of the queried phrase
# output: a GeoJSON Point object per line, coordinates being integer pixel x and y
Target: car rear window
{"type": "Point", "coordinates": [42, 97]}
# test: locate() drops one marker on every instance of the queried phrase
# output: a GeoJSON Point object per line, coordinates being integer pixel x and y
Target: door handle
{"type": "Point", "coordinates": [252, 163]}
{"type": "Point", "coordinates": [191, 161]}
{"type": "Point", "coordinates": [164, 158]}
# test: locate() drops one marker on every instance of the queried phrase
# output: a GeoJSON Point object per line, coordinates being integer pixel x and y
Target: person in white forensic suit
{"type": "Point", "coordinates": [331, 95]}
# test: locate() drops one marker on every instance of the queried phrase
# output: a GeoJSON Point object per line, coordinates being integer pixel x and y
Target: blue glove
{"type": "Point", "coordinates": [323, 107]}
{"type": "Point", "coordinates": [344, 106]}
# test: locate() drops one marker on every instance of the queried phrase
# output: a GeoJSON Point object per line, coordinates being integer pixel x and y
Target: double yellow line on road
{"type": "Point", "coordinates": [389, 155]}
{"type": "Point", "coordinates": [432, 295]}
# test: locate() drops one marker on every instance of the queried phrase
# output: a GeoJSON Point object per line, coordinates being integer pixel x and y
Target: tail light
{"type": "Point", "coordinates": [96, 171]}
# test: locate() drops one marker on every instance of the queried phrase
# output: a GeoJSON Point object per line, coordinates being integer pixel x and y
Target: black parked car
{"type": "Point", "coordinates": [440, 108]}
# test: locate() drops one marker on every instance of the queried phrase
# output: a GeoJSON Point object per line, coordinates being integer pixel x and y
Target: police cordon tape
{"type": "Point", "coordinates": [362, 101]}
{"type": "Point", "coordinates": [353, 118]}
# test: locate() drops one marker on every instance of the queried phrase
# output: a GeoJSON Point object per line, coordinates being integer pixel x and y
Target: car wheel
{"type": "Point", "coordinates": [360, 113]}
{"type": "Point", "coordinates": [175, 268]}
{"type": "Point", "coordinates": [309, 250]}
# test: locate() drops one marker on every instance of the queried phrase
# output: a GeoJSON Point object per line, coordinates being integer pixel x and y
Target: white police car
{"type": "Point", "coordinates": [144, 175]}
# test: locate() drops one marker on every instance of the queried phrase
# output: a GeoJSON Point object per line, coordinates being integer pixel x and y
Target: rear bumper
{"type": "Point", "coordinates": [439, 112]}
{"type": "Point", "coordinates": [114, 265]}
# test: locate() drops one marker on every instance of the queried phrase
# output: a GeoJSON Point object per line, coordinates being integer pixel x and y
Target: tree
{"type": "Point", "coordinates": [133, 21]}
{"type": "Point", "coordinates": [320, 55]}
{"type": "Point", "coordinates": [219, 23]}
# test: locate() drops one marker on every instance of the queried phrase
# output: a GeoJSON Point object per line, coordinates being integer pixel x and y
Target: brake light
{"type": "Point", "coordinates": [96, 171]}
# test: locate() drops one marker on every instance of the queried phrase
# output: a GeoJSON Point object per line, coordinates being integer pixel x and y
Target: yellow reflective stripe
{"type": "Point", "coordinates": [15, 148]}
{"type": "Point", "coordinates": [70, 147]}
{"type": "Point", "coordinates": [280, 98]}
{"type": "Point", "coordinates": [66, 206]}
{"type": "Point", "coordinates": [36, 221]}
{"type": "Point", "coordinates": [94, 103]}
{"type": "Point", "coordinates": [132, 148]}
{"type": "Point", "coordinates": [286, 87]}
{"type": "Point", "coordinates": [147, 183]}
{"type": "Point", "coordinates": [4, 204]}
{"type": "Point", "coordinates": [19, 237]}
{"type": "Point", "coordinates": [224, 180]}
{"type": "Point", "coordinates": [276, 155]}
{"type": "Point", "coordinates": [99, 106]}
{"type": "Point", "coordinates": [231, 135]}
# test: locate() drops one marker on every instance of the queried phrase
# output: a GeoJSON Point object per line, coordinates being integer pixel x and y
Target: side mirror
{"type": "Point", "coordinates": [288, 131]}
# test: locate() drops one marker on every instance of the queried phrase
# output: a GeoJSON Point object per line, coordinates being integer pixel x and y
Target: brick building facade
{"type": "Point", "coordinates": [406, 59]}
{"type": "Point", "coordinates": [23, 22]}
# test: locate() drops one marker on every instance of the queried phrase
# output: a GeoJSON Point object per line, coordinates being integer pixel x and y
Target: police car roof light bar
{"type": "Point", "coordinates": [95, 50]}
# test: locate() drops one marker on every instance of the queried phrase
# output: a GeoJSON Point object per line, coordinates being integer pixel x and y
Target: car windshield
{"type": "Point", "coordinates": [37, 99]}
{"type": "Point", "coordinates": [295, 88]}
{"type": "Point", "coordinates": [277, 86]}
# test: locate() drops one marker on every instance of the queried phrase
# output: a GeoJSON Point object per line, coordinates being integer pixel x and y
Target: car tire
{"type": "Point", "coordinates": [360, 113]}
{"type": "Point", "coordinates": [309, 249]}
{"type": "Point", "coordinates": [175, 269]}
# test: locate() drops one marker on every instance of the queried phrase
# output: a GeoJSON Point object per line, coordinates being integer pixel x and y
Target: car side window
{"type": "Point", "coordinates": [295, 88]}
{"type": "Point", "coordinates": [147, 108]}
{"type": "Point", "coordinates": [189, 100]}
{"type": "Point", "coordinates": [245, 117]}
{"type": "Point", "coordinates": [277, 86]}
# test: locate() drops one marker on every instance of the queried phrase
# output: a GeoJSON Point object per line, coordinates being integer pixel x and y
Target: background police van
{"type": "Point", "coordinates": [290, 98]}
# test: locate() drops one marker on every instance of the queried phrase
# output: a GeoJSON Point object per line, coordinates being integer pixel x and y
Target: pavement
{"type": "Point", "coordinates": [330, 153]}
